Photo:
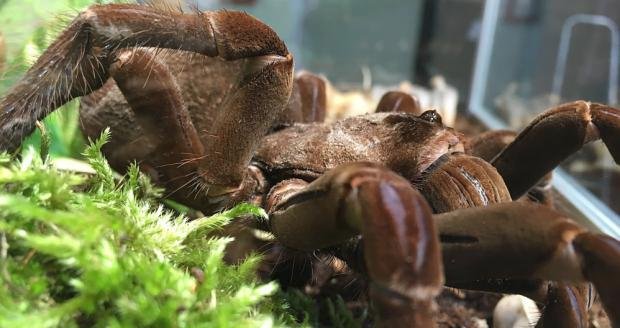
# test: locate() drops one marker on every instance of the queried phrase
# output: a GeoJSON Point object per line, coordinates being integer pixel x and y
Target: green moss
{"type": "Point", "coordinates": [81, 250]}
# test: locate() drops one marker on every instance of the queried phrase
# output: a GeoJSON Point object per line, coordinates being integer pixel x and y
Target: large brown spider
{"type": "Point", "coordinates": [218, 131]}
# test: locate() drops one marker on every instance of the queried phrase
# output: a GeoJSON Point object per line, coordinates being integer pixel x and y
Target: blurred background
{"type": "Point", "coordinates": [498, 63]}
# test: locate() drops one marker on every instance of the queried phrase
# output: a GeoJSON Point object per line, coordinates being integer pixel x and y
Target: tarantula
{"type": "Point", "coordinates": [237, 127]}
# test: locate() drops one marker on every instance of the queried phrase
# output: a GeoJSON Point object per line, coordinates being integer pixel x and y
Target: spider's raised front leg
{"type": "Point", "coordinates": [551, 138]}
{"type": "Point", "coordinates": [525, 241]}
{"type": "Point", "coordinates": [79, 62]}
{"type": "Point", "coordinates": [401, 249]}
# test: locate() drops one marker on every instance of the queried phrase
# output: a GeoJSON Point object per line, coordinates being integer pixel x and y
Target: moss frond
{"type": "Point", "coordinates": [100, 250]}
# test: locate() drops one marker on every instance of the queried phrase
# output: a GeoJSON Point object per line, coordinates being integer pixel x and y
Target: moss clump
{"type": "Point", "coordinates": [80, 250]}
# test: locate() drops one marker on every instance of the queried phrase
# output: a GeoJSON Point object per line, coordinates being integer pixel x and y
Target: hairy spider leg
{"type": "Point", "coordinates": [307, 103]}
{"type": "Point", "coordinates": [79, 62]}
{"type": "Point", "coordinates": [401, 249]}
{"type": "Point", "coordinates": [527, 241]}
{"type": "Point", "coordinates": [398, 101]}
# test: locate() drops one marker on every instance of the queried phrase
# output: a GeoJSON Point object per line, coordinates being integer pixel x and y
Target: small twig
{"type": "Point", "coordinates": [28, 257]}
{"type": "Point", "coordinates": [45, 141]}
{"type": "Point", "coordinates": [2, 48]}
{"type": "Point", "coordinates": [4, 253]}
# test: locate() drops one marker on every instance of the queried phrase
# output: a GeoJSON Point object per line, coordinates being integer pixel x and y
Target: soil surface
{"type": "Point", "coordinates": [475, 309]}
